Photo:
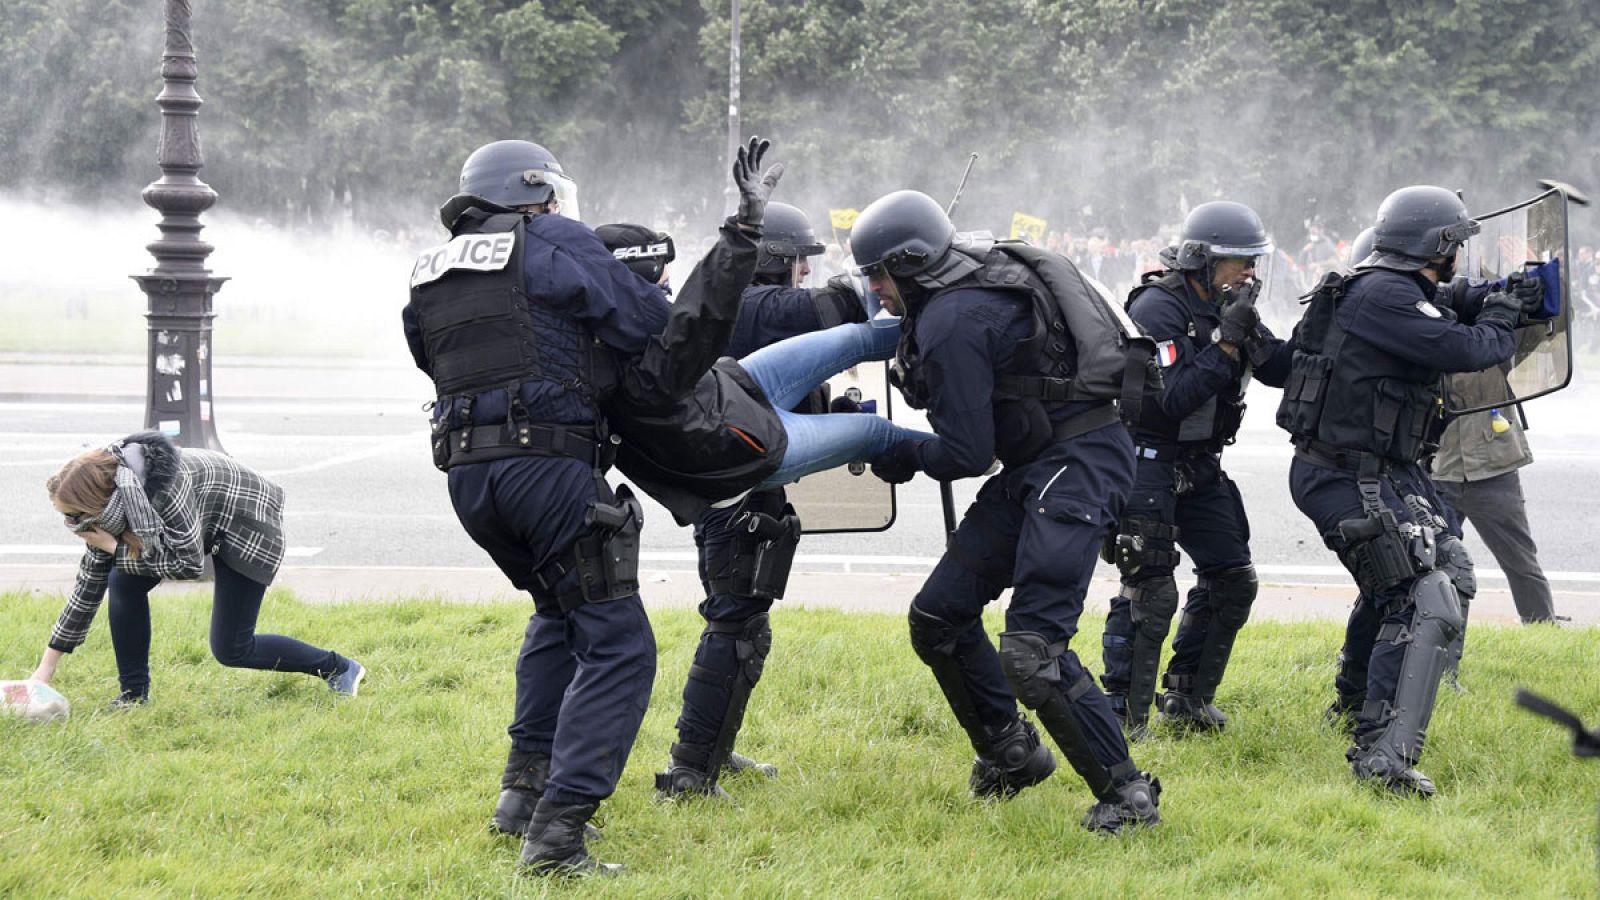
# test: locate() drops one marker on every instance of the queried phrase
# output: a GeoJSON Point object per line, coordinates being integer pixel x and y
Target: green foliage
{"type": "Point", "coordinates": [235, 782]}
{"type": "Point", "coordinates": [1087, 112]}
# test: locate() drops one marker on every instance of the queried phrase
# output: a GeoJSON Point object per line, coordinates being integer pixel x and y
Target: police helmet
{"type": "Point", "coordinates": [786, 237]}
{"type": "Point", "coordinates": [643, 250]}
{"type": "Point", "coordinates": [901, 234]}
{"type": "Point", "coordinates": [518, 173]}
{"type": "Point", "coordinates": [1419, 223]}
{"type": "Point", "coordinates": [1217, 230]}
{"type": "Point", "coordinates": [1361, 247]}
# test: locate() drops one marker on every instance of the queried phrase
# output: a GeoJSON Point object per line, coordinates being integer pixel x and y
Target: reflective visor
{"type": "Point", "coordinates": [564, 188]}
{"type": "Point", "coordinates": [1226, 250]}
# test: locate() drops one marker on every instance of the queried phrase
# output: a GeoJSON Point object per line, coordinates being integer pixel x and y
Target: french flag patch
{"type": "Point", "coordinates": [1166, 353]}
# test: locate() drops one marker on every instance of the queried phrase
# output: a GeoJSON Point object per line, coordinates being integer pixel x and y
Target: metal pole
{"type": "Point", "coordinates": [730, 193]}
{"type": "Point", "coordinates": [180, 287]}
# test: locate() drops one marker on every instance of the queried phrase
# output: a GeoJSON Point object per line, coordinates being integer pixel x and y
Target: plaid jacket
{"type": "Point", "coordinates": [192, 503]}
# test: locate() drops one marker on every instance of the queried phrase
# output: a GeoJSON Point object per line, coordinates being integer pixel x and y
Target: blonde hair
{"type": "Point", "coordinates": [86, 484]}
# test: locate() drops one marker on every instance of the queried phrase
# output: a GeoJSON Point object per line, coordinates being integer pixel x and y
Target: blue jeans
{"type": "Point", "coordinates": [790, 369]}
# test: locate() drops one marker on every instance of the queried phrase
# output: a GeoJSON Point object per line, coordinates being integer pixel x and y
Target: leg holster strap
{"type": "Point", "coordinates": [606, 557]}
{"type": "Point", "coordinates": [759, 556]}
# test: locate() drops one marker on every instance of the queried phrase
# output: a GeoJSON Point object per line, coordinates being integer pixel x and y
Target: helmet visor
{"type": "Point", "coordinates": [564, 190]}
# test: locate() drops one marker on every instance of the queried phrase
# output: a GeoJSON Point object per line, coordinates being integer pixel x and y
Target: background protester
{"type": "Point", "coordinates": [147, 511]}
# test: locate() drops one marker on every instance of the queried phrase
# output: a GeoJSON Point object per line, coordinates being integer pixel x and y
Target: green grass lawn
{"type": "Point", "coordinates": [234, 782]}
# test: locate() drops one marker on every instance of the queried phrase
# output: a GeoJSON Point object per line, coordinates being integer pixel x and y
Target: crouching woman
{"type": "Point", "coordinates": [148, 510]}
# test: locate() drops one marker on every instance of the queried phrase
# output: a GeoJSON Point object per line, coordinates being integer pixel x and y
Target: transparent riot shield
{"type": "Point", "coordinates": [849, 498]}
{"type": "Point", "coordinates": [1515, 239]}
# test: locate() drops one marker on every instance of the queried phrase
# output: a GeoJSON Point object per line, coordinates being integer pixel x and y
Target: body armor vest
{"type": "Point", "coordinates": [1216, 422]}
{"type": "Point", "coordinates": [1040, 375]}
{"type": "Point", "coordinates": [1345, 393]}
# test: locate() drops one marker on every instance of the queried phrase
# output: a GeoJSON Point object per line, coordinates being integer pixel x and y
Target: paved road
{"type": "Point", "coordinates": [366, 508]}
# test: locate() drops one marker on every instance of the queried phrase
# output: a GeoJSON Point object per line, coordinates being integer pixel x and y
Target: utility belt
{"type": "Point", "coordinates": [1328, 456]}
{"type": "Point", "coordinates": [1160, 451]}
{"type": "Point", "coordinates": [457, 444]}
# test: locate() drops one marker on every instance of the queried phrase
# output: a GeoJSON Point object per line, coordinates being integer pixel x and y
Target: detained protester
{"type": "Point", "coordinates": [1201, 312]}
{"type": "Point", "coordinates": [985, 349]}
{"type": "Point", "coordinates": [1363, 404]}
{"type": "Point", "coordinates": [516, 319]}
{"type": "Point", "coordinates": [147, 511]}
{"type": "Point", "coordinates": [745, 547]}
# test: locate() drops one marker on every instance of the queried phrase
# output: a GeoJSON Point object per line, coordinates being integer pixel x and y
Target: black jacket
{"type": "Point", "coordinates": [695, 427]}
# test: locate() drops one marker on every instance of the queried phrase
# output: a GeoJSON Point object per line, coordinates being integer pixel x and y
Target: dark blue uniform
{"type": "Point", "coordinates": [767, 314]}
{"type": "Point", "coordinates": [1180, 483]}
{"type": "Point", "coordinates": [1035, 527]}
{"type": "Point", "coordinates": [583, 676]}
{"type": "Point", "coordinates": [1400, 335]}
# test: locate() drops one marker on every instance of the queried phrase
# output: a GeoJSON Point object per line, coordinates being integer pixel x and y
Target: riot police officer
{"type": "Point", "coordinates": [1363, 403]}
{"type": "Point", "coordinates": [1202, 314]}
{"type": "Point", "coordinates": [734, 539]}
{"type": "Point", "coordinates": [517, 319]}
{"type": "Point", "coordinates": [988, 351]}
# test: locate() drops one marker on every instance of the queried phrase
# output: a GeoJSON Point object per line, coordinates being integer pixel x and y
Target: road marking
{"type": "Point", "coordinates": [344, 458]}
{"type": "Point", "coordinates": [847, 561]}
{"type": "Point", "coordinates": [77, 550]}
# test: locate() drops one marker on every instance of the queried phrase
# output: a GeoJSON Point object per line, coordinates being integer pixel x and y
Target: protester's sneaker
{"type": "Point", "coordinates": [738, 762]}
{"type": "Point", "coordinates": [348, 682]}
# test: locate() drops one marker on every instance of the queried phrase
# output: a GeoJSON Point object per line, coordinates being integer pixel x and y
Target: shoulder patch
{"type": "Point", "coordinates": [1429, 310]}
{"type": "Point", "coordinates": [1166, 353]}
{"type": "Point", "coordinates": [474, 252]}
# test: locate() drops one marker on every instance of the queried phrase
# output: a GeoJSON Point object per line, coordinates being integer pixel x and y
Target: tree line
{"type": "Point", "coordinates": [1108, 113]}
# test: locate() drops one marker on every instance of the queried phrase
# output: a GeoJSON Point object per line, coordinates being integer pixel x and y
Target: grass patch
{"type": "Point", "coordinates": [236, 782]}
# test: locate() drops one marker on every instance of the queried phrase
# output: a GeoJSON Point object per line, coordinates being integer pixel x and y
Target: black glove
{"type": "Point", "coordinates": [1501, 305]}
{"type": "Point", "coordinates": [897, 464]}
{"type": "Point", "coordinates": [753, 190]}
{"type": "Point", "coordinates": [1528, 291]}
{"type": "Point", "coordinates": [1239, 321]}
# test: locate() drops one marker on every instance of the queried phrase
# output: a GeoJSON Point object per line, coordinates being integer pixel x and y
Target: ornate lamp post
{"type": "Point", "coordinates": [180, 287]}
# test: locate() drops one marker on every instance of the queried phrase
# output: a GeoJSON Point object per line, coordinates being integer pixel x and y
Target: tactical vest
{"type": "Point", "coordinates": [1345, 394]}
{"type": "Point", "coordinates": [481, 333]}
{"type": "Point", "coordinates": [1081, 348]}
{"type": "Point", "coordinates": [1216, 422]}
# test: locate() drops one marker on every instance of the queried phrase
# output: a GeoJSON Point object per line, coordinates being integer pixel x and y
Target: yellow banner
{"type": "Point", "coordinates": [1026, 226]}
{"type": "Point", "coordinates": [843, 219]}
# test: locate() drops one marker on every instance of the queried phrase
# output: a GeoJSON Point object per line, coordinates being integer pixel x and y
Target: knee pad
{"type": "Point", "coordinates": [1233, 592]}
{"type": "Point", "coordinates": [1032, 665]}
{"type": "Point", "coordinates": [752, 642]}
{"type": "Point", "coordinates": [933, 638]}
{"type": "Point", "coordinates": [1152, 604]}
{"type": "Point", "coordinates": [1456, 563]}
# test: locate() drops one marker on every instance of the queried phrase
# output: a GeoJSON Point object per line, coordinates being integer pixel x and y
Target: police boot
{"type": "Point", "coordinates": [521, 786]}
{"type": "Point", "coordinates": [1015, 759]}
{"type": "Point", "coordinates": [738, 762]}
{"type": "Point", "coordinates": [1341, 713]}
{"type": "Point", "coordinates": [1187, 711]}
{"type": "Point", "coordinates": [686, 776]}
{"type": "Point", "coordinates": [1136, 804]}
{"type": "Point", "coordinates": [1375, 764]}
{"type": "Point", "coordinates": [555, 842]}
{"type": "Point", "coordinates": [1135, 730]}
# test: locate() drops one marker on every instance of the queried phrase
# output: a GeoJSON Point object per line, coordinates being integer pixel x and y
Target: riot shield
{"type": "Point", "coordinates": [849, 498]}
{"type": "Point", "coordinates": [1512, 239]}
